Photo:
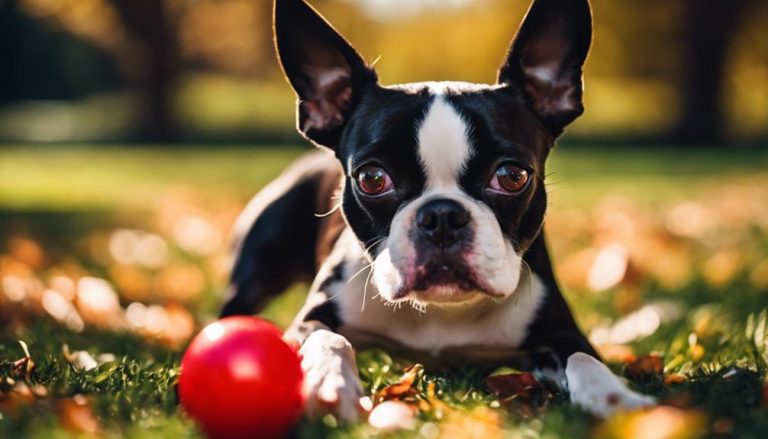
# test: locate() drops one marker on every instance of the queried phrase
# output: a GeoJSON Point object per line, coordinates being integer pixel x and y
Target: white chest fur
{"type": "Point", "coordinates": [483, 324]}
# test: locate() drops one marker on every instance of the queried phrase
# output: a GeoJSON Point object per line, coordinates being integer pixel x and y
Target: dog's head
{"type": "Point", "coordinates": [444, 181]}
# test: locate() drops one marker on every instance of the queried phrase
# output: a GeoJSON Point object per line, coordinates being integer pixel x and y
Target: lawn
{"type": "Point", "coordinates": [111, 258]}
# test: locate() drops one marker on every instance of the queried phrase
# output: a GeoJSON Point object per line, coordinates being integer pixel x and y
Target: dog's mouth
{"type": "Point", "coordinates": [443, 279]}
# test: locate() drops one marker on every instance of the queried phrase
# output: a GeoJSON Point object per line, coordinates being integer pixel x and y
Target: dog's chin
{"type": "Point", "coordinates": [445, 287]}
{"type": "Point", "coordinates": [448, 295]}
{"type": "Point", "coordinates": [441, 281]}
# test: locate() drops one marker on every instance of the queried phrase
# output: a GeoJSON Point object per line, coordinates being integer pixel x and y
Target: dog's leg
{"type": "Point", "coordinates": [331, 383]}
{"type": "Point", "coordinates": [596, 389]}
{"type": "Point", "coordinates": [565, 357]}
{"type": "Point", "coordinates": [591, 385]}
{"type": "Point", "coordinates": [276, 236]}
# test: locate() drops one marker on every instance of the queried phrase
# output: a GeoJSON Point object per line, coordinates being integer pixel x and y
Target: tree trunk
{"type": "Point", "coordinates": [154, 31]}
{"type": "Point", "coordinates": [708, 32]}
{"type": "Point", "coordinates": [8, 83]}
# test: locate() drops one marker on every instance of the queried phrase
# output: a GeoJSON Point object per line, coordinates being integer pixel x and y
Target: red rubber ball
{"type": "Point", "coordinates": [239, 379]}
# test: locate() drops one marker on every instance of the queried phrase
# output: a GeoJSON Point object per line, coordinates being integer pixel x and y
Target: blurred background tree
{"type": "Point", "coordinates": [708, 34]}
{"type": "Point", "coordinates": [685, 71]}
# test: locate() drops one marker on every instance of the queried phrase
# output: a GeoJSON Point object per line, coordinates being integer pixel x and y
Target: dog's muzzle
{"type": "Point", "coordinates": [443, 222]}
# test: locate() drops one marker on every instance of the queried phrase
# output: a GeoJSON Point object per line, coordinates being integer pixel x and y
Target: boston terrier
{"type": "Point", "coordinates": [419, 220]}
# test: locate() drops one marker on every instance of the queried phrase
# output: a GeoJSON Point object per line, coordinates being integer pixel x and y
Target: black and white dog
{"type": "Point", "coordinates": [437, 247]}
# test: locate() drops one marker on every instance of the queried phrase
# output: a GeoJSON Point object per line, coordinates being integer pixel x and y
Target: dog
{"type": "Point", "coordinates": [419, 219]}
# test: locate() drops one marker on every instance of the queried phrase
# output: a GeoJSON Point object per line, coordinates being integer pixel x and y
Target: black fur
{"type": "Point", "coordinates": [379, 125]}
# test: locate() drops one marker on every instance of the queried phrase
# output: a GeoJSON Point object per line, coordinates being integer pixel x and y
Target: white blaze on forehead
{"type": "Point", "coordinates": [444, 146]}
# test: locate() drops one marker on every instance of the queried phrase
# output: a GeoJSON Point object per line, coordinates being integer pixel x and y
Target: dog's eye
{"type": "Point", "coordinates": [374, 180]}
{"type": "Point", "coordinates": [509, 179]}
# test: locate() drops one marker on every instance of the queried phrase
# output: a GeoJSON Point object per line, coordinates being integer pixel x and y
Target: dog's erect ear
{"type": "Point", "coordinates": [546, 57]}
{"type": "Point", "coordinates": [327, 74]}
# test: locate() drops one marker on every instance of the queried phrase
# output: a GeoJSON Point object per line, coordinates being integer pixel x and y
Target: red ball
{"type": "Point", "coordinates": [239, 379]}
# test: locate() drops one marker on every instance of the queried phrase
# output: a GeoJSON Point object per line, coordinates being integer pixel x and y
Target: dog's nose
{"type": "Point", "coordinates": [441, 221]}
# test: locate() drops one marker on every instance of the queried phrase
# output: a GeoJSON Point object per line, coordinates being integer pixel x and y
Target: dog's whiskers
{"type": "Point", "coordinates": [330, 212]}
{"type": "Point", "coordinates": [376, 242]}
{"type": "Point", "coordinates": [367, 266]}
{"type": "Point", "coordinates": [365, 287]}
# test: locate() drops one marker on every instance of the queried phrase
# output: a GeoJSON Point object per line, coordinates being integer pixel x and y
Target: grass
{"type": "Point", "coordinates": [61, 209]}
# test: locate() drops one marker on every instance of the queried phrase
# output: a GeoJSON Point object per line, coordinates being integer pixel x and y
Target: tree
{"type": "Point", "coordinates": [709, 29]}
{"type": "Point", "coordinates": [154, 30]}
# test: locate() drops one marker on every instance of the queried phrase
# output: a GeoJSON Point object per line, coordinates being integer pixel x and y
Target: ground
{"type": "Point", "coordinates": [112, 257]}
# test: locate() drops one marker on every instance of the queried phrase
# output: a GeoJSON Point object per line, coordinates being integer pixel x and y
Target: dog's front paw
{"type": "Point", "coordinates": [597, 390]}
{"type": "Point", "coordinates": [331, 384]}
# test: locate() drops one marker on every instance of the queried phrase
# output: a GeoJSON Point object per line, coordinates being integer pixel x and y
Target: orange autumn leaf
{"type": "Point", "coordinates": [645, 367]}
{"type": "Point", "coordinates": [16, 396]}
{"type": "Point", "coordinates": [403, 387]}
{"type": "Point", "coordinates": [674, 378]}
{"type": "Point", "coordinates": [615, 352]}
{"type": "Point", "coordinates": [76, 415]}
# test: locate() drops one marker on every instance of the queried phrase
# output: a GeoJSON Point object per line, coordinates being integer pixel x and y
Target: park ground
{"type": "Point", "coordinates": [111, 258]}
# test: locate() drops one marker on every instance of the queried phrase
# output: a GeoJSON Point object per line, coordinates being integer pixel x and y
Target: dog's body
{"type": "Point", "coordinates": [423, 230]}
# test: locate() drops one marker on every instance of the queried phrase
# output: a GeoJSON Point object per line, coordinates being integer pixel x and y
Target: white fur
{"type": "Point", "coordinates": [330, 376]}
{"type": "Point", "coordinates": [597, 390]}
{"type": "Point", "coordinates": [483, 322]}
{"type": "Point", "coordinates": [492, 258]}
{"type": "Point", "coordinates": [444, 146]}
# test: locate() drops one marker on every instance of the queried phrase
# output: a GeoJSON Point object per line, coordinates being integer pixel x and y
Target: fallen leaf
{"type": "Point", "coordinates": [403, 387]}
{"type": "Point", "coordinates": [615, 352]}
{"type": "Point", "coordinates": [27, 251]}
{"type": "Point", "coordinates": [19, 394]}
{"type": "Point", "coordinates": [521, 393]}
{"type": "Point", "coordinates": [513, 384]}
{"type": "Point", "coordinates": [645, 368]}
{"type": "Point", "coordinates": [76, 415]}
{"type": "Point", "coordinates": [674, 378]}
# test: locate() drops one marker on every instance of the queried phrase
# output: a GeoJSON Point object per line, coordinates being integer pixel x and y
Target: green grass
{"type": "Point", "coordinates": [98, 177]}
{"type": "Point", "coordinates": [67, 199]}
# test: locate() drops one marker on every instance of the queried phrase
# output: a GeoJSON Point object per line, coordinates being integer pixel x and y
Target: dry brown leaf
{"type": "Point", "coordinates": [27, 252]}
{"type": "Point", "coordinates": [674, 378]}
{"type": "Point", "coordinates": [513, 384]}
{"type": "Point", "coordinates": [19, 394]}
{"type": "Point", "coordinates": [402, 388]}
{"type": "Point", "coordinates": [645, 367]}
{"type": "Point", "coordinates": [520, 393]}
{"type": "Point", "coordinates": [76, 415]}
